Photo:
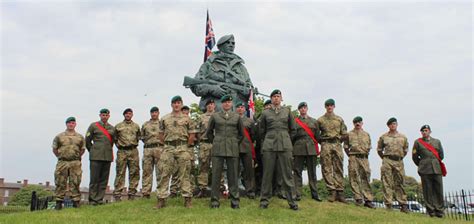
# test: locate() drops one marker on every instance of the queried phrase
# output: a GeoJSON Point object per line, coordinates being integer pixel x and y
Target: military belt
{"type": "Point", "coordinates": [130, 147]}
{"type": "Point", "coordinates": [362, 156]}
{"type": "Point", "coordinates": [153, 145]}
{"type": "Point", "coordinates": [68, 160]}
{"type": "Point", "coordinates": [176, 143]}
{"type": "Point", "coordinates": [393, 157]}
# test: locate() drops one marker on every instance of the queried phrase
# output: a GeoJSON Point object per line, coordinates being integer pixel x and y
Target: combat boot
{"type": "Point", "coordinates": [161, 203]}
{"type": "Point", "coordinates": [332, 196]}
{"type": "Point", "coordinates": [358, 202]}
{"type": "Point", "coordinates": [59, 205]}
{"type": "Point", "coordinates": [314, 196]}
{"type": "Point", "coordinates": [188, 202]}
{"type": "Point", "coordinates": [146, 196]}
{"type": "Point", "coordinates": [76, 204]}
{"type": "Point", "coordinates": [340, 197]}
{"type": "Point", "coordinates": [118, 199]}
{"type": "Point", "coordinates": [388, 207]}
{"type": "Point", "coordinates": [131, 197]}
{"type": "Point", "coordinates": [404, 208]}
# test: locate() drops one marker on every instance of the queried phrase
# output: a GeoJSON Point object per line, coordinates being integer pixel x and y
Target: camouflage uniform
{"type": "Point", "coordinates": [151, 154]}
{"type": "Point", "coordinates": [248, 173]}
{"type": "Point", "coordinates": [358, 147]}
{"type": "Point", "coordinates": [176, 130]}
{"type": "Point", "coordinates": [100, 155]}
{"type": "Point", "coordinates": [304, 153]}
{"type": "Point", "coordinates": [68, 169]}
{"type": "Point", "coordinates": [128, 134]}
{"type": "Point", "coordinates": [205, 147]}
{"type": "Point", "coordinates": [392, 148]}
{"type": "Point", "coordinates": [333, 130]}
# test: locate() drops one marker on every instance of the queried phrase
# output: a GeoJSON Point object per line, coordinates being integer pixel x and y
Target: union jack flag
{"type": "Point", "coordinates": [251, 105]}
{"type": "Point", "coordinates": [210, 40]}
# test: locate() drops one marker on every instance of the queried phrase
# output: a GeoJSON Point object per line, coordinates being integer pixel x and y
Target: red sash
{"type": "Point", "coordinates": [247, 135]}
{"type": "Point", "coordinates": [309, 132]}
{"type": "Point", "coordinates": [435, 153]}
{"type": "Point", "coordinates": [106, 133]}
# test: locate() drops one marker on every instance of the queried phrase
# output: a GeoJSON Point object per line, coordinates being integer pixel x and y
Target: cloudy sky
{"type": "Point", "coordinates": [376, 59]}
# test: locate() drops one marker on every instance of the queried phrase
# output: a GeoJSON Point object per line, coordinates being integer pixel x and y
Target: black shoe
{"type": "Point", "coordinates": [215, 205]}
{"type": "Point", "coordinates": [282, 196]}
{"type": "Point", "coordinates": [317, 199]}
{"type": "Point", "coordinates": [294, 207]}
{"type": "Point", "coordinates": [234, 206]}
{"type": "Point", "coordinates": [263, 206]}
{"type": "Point", "coordinates": [251, 196]}
{"type": "Point", "coordinates": [439, 215]}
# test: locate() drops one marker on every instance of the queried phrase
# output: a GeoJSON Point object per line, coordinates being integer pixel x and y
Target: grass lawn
{"type": "Point", "coordinates": [142, 211]}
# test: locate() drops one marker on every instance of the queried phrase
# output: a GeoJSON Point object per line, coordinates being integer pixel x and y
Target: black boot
{"type": "Point", "coordinates": [76, 204]}
{"type": "Point", "coordinates": [59, 205]}
{"type": "Point", "coordinates": [314, 196]}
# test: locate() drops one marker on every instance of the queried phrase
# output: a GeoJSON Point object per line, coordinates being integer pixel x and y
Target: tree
{"type": "Point", "coordinates": [23, 196]}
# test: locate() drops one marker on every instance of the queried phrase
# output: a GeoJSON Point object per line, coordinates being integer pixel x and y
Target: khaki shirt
{"type": "Point", "coordinates": [203, 124]}
{"type": "Point", "coordinates": [392, 145]}
{"type": "Point", "coordinates": [69, 145]}
{"type": "Point", "coordinates": [332, 127]}
{"type": "Point", "coordinates": [98, 144]}
{"type": "Point", "coordinates": [303, 144]}
{"type": "Point", "coordinates": [177, 127]}
{"type": "Point", "coordinates": [150, 132]}
{"type": "Point", "coordinates": [128, 134]}
{"type": "Point", "coordinates": [358, 142]}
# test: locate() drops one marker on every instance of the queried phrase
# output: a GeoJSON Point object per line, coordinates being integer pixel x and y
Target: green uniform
{"type": "Point", "coordinates": [176, 129]}
{"type": "Point", "coordinates": [225, 131]}
{"type": "Point", "coordinates": [333, 130]}
{"type": "Point", "coordinates": [276, 126]}
{"type": "Point", "coordinates": [68, 169]}
{"type": "Point", "coordinates": [392, 148]}
{"type": "Point", "coordinates": [204, 156]}
{"type": "Point", "coordinates": [304, 153]}
{"type": "Point", "coordinates": [245, 155]}
{"type": "Point", "coordinates": [151, 154]}
{"type": "Point", "coordinates": [358, 146]}
{"type": "Point", "coordinates": [429, 170]}
{"type": "Point", "coordinates": [128, 134]}
{"type": "Point", "coordinates": [100, 156]}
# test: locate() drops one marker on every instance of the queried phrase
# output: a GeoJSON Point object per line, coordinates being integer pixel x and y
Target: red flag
{"type": "Point", "coordinates": [210, 39]}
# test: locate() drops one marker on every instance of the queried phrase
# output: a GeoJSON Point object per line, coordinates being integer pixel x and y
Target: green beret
{"type": "Point", "coordinates": [302, 104]}
{"type": "Point", "coordinates": [224, 39]}
{"type": "Point", "coordinates": [267, 102]}
{"type": "Point", "coordinates": [154, 109]}
{"type": "Point", "coordinates": [357, 119]}
{"type": "Point", "coordinates": [69, 119]}
{"type": "Point", "coordinates": [176, 98]}
{"type": "Point", "coordinates": [329, 102]}
{"type": "Point", "coordinates": [391, 120]}
{"type": "Point", "coordinates": [240, 103]}
{"type": "Point", "coordinates": [425, 127]}
{"type": "Point", "coordinates": [127, 110]}
{"type": "Point", "coordinates": [209, 101]}
{"type": "Point", "coordinates": [184, 108]}
{"type": "Point", "coordinates": [276, 91]}
{"type": "Point", "coordinates": [104, 111]}
{"type": "Point", "coordinates": [226, 98]}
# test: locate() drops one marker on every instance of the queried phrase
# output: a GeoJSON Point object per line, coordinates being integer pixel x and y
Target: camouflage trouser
{"type": "Point", "coordinates": [68, 170]}
{"type": "Point", "coordinates": [359, 177]}
{"type": "Point", "coordinates": [172, 158]}
{"type": "Point", "coordinates": [393, 174]}
{"type": "Point", "coordinates": [151, 156]}
{"type": "Point", "coordinates": [331, 166]}
{"type": "Point", "coordinates": [175, 183]}
{"type": "Point", "coordinates": [204, 164]}
{"type": "Point", "coordinates": [127, 158]}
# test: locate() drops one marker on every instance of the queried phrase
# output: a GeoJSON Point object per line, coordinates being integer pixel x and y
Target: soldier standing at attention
{"type": "Point", "coordinates": [357, 148]}
{"type": "Point", "coordinates": [128, 134]}
{"type": "Point", "coordinates": [68, 147]}
{"type": "Point", "coordinates": [305, 151]}
{"type": "Point", "coordinates": [392, 147]}
{"type": "Point", "coordinates": [225, 131]}
{"type": "Point", "coordinates": [205, 146]}
{"type": "Point", "coordinates": [177, 132]}
{"type": "Point", "coordinates": [276, 126]}
{"type": "Point", "coordinates": [151, 151]}
{"type": "Point", "coordinates": [333, 132]}
{"type": "Point", "coordinates": [99, 142]}
{"type": "Point", "coordinates": [428, 155]}
{"type": "Point", "coordinates": [247, 152]}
